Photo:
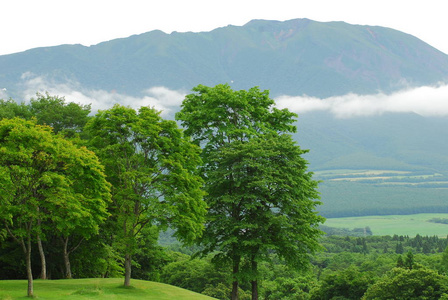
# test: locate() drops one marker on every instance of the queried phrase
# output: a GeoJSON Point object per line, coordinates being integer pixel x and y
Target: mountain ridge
{"type": "Point", "coordinates": [294, 57]}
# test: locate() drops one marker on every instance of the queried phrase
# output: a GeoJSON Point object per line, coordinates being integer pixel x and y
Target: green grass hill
{"type": "Point", "coordinates": [98, 289]}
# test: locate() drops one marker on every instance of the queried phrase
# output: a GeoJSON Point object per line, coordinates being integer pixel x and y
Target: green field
{"type": "Point", "coordinates": [410, 225]}
{"type": "Point", "coordinates": [98, 289]}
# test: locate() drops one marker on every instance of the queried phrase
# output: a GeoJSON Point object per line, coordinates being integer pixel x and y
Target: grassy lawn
{"type": "Point", "coordinates": [394, 224]}
{"type": "Point", "coordinates": [98, 289]}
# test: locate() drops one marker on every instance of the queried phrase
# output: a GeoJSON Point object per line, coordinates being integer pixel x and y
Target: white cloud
{"type": "Point", "coordinates": [3, 93]}
{"type": "Point", "coordinates": [160, 98]}
{"type": "Point", "coordinates": [425, 101]}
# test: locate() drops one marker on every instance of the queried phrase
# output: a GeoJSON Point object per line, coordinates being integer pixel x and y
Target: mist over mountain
{"type": "Point", "coordinates": [372, 101]}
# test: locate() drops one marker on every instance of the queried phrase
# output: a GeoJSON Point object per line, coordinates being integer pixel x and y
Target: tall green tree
{"type": "Point", "coordinates": [153, 170]}
{"type": "Point", "coordinates": [45, 178]}
{"type": "Point", "coordinates": [261, 197]}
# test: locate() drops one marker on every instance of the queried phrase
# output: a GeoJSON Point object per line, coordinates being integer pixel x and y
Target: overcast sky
{"type": "Point", "coordinates": [26, 24]}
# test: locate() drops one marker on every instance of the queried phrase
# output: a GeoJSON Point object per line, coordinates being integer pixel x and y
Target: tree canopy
{"type": "Point", "coordinates": [260, 194]}
{"type": "Point", "coordinates": [400, 283]}
{"type": "Point", "coordinates": [152, 167]}
{"type": "Point", "coordinates": [47, 179]}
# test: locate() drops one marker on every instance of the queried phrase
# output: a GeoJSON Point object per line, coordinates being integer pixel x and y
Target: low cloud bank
{"type": "Point", "coordinates": [160, 98]}
{"type": "Point", "coordinates": [425, 101]}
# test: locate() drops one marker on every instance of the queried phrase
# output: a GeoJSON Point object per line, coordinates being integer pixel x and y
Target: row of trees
{"type": "Point", "coordinates": [234, 182]}
{"type": "Point", "coordinates": [47, 183]}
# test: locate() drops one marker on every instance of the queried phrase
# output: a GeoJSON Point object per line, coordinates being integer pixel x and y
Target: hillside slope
{"type": "Point", "coordinates": [96, 288]}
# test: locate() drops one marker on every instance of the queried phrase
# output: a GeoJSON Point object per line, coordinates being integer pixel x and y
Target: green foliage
{"type": "Point", "coordinates": [409, 260]}
{"type": "Point", "coordinates": [195, 274]}
{"type": "Point", "coordinates": [153, 171]}
{"type": "Point", "coordinates": [214, 116]}
{"type": "Point", "coordinates": [407, 284]}
{"type": "Point", "coordinates": [444, 262]}
{"type": "Point", "coordinates": [278, 281]}
{"type": "Point", "coordinates": [349, 283]}
{"type": "Point", "coordinates": [261, 198]}
{"type": "Point", "coordinates": [67, 118]}
{"type": "Point", "coordinates": [272, 196]}
{"type": "Point", "coordinates": [45, 179]}
{"type": "Point", "coordinates": [400, 262]}
{"type": "Point", "coordinates": [149, 258]}
{"type": "Point", "coordinates": [10, 109]}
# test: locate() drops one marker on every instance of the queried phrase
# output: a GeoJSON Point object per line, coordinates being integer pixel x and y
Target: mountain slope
{"type": "Point", "coordinates": [293, 57]}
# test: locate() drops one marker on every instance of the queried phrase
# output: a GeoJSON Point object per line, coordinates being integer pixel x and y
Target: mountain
{"type": "Point", "coordinates": [384, 164]}
{"type": "Point", "coordinates": [294, 57]}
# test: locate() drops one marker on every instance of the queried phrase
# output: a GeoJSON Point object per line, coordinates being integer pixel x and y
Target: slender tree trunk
{"type": "Point", "coordinates": [235, 285]}
{"type": "Point", "coordinates": [127, 270]}
{"type": "Point", "coordinates": [255, 281]}
{"type": "Point", "coordinates": [255, 289]}
{"type": "Point", "coordinates": [68, 269]}
{"type": "Point", "coordinates": [43, 272]}
{"type": "Point", "coordinates": [26, 247]}
{"type": "Point", "coordinates": [66, 254]}
{"type": "Point", "coordinates": [29, 271]}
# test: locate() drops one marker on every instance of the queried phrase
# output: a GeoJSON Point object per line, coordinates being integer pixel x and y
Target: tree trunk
{"type": "Point", "coordinates": [29, 272]}
{"type": "Point", "coordinates": [68, 269]}
{"type": "Point", "coordinates": [254, 266]}
{"type": "Point", "coordinates": [26, 247]}
{"type": "Point", "coordinates": [127, 270]}
{"type": "Point", "coordinates": [43, 272]}
{"type": "Point", "coordinates": [255, 289]}
{"type": "Point", "coordinates": [234, 295]}
{"type": "Point", "coordinates": [235, 285]}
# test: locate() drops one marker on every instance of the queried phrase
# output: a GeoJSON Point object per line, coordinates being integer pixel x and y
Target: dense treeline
{"type": "Point", "coordinates": [347, 269]}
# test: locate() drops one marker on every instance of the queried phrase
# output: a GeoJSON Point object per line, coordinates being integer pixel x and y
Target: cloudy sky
{"type": "Point", "coordinates": [26, 24]}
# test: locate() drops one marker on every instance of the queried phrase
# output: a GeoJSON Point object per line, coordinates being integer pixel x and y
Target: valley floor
{"type": "Point", "coordinates": [411, 225]}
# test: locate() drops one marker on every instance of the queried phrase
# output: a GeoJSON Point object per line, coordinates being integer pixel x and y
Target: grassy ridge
{"type": "Point", "coordinates": [410, 225]}
{"type": "Point", "coordinates": [98, 289]}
